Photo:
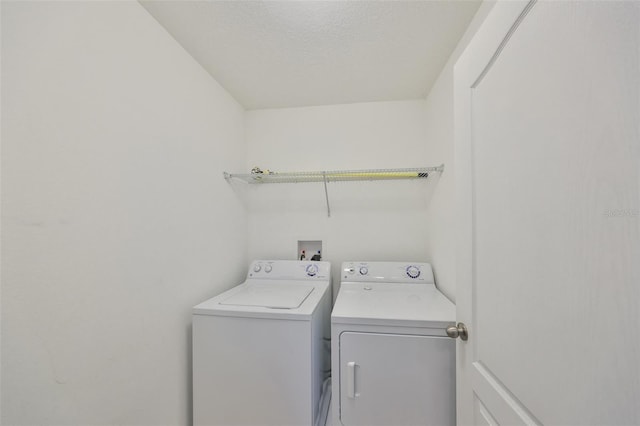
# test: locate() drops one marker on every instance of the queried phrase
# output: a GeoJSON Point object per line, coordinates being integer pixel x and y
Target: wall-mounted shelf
{"type": "Point", "coordinates": [334, 176]}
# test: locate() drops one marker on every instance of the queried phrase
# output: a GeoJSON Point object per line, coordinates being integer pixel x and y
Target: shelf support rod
{"type": "Point", "coordinates": [326, 193]}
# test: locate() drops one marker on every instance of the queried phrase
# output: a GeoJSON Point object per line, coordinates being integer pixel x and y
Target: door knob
{"type": "Point", "coordinates": [456, 331]}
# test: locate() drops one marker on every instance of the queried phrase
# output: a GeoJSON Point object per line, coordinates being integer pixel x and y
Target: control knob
{"type": "Point", "coordinates": [364, 270]}
{"type": "Point", "coordinates": [268, 268]}
{"type": "Point", "coordinates": [257, 267]}
{"type": "Point", "coordinates": [312, 270]}
{"type": "Point", "coordinates": [413, 271]}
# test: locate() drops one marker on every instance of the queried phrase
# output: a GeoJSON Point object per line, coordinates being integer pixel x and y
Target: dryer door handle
{"type": "Point", "coordinates": [351, 379]}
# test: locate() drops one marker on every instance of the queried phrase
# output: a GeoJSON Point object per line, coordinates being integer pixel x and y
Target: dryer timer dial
{"type": "Point", "coordinates": [413, 271]}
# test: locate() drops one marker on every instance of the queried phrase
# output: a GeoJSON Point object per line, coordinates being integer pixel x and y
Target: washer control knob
{"type": "Point", "coordinates": [364, 270]}
{"type": "Point", "coordinates": [257, 267]}
{"type": "Point", "coordinates": [312, 270]}
{"type": "Point", "coordinates": [413, 271]}
{"type": "Point", "coordinates": [268, 268]}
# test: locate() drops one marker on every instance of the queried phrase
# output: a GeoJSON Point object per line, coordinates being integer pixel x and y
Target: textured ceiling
{"type": "Point", "coordinates": [298, 53]}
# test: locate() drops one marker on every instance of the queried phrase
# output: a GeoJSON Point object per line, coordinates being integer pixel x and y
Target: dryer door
{"type": "Point", "coordinates": [393, 379]}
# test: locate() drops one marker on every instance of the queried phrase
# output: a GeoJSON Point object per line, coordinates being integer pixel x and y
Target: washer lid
{"type": "Point", "coordinates": [270, 295]}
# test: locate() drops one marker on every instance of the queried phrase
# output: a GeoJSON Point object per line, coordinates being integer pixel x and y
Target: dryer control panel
{"type": "Point", "coordinates": [390, 272]}
{"type": "Point", "coordinates": [289, 270]}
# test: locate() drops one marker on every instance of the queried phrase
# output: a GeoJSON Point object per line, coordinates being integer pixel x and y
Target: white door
{"type": "Point", "coordinates": [547, 178]}
{"type": "Point", "coordinates": [396, 379]}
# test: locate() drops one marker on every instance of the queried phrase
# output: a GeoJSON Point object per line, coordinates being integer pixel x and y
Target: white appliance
{"type": "Point", "coordinates": [259, 352]}
{"type": "Point", "coordinates": [392, 362]}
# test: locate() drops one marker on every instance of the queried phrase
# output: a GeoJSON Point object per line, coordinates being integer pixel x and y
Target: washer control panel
{"type": "Point", "coordinates": [392, 272]}
{"type": "Point", "coordinates": [289, 270]}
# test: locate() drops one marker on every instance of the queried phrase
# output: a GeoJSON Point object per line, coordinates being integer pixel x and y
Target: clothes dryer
{"type": "Point", "coordinates": [392, 362]}
{"type": "Point", "coordinates": [259, 353]}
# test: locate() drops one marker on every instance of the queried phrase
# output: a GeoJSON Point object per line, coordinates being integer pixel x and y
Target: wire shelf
{"type": "Point", "coordinates": [335, 175]}
{"type": "Point", "coordinates": [264, 177]}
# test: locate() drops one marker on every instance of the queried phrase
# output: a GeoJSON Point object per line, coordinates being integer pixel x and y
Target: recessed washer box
{"type": "Point", "coordinates": [310, 247]}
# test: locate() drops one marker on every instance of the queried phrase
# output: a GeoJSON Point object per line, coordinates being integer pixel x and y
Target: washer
{"type": "Point", "coordinates": [392, 362]}
{"type": "Point", "coordinates": [259, 357]}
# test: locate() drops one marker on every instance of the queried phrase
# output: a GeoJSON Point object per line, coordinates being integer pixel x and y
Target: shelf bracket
{"type": "Point", "coordinates": [326, 193]}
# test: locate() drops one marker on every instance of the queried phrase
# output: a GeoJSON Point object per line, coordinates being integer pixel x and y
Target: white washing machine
{"type": "Point", "coordinates": [259, 352]}
{"type": "Point", "coordinates": [392, 362]}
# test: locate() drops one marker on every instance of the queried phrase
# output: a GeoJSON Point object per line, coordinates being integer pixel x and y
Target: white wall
{"type": "Point", "coordinates": [116, 219]}
{"type": "Point", "coordinates": [439, 217]}
{"type": "Point", "coordinates": [369, 220]}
